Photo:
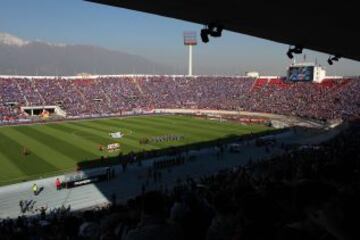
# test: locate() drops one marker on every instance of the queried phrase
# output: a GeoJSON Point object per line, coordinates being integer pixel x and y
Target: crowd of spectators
{"type": "Point", "coordinates": [331, 99]}
{"type": "Point", "coordinates": [308, 193]}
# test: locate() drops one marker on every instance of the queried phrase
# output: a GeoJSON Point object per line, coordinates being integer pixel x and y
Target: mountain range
{"type": "Point", "coordinates": [22, 57]}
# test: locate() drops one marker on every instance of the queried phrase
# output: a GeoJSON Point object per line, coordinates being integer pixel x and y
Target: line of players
{"type": "Point", "coordinates": [167, 138]}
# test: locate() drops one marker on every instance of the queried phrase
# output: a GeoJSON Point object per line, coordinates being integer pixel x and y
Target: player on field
{"type": "Point", "coordinates": [35, 189]}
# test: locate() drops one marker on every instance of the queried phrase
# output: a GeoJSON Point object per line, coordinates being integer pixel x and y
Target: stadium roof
{"type": "Point", "coordinates": [325, 26]}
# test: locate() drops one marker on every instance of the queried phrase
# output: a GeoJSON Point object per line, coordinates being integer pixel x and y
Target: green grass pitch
{"type": "Point", "coordinates": [55, 148]}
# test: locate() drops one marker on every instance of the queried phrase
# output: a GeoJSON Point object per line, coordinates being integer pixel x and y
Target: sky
{"type": "Point", "coordinates": [156, 38]}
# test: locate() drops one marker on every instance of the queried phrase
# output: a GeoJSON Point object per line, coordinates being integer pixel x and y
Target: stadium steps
{"type": "Point", "coordinates": [138, 86]}
{"type": "Point", "coordinates": [59, 85]}
{"type": "Point", "coordinates": [37, 91]}
{"type": "Point", "coordinates": [108, 100]}
{"type": "Point", "coordinates": [80, 93]}
{"type": "Point", "coordinates": [22, 93]}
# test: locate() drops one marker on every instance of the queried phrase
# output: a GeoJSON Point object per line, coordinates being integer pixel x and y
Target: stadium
{"type": "Point", "coordinates": [171, 156]}
{"type": "Point", "coordinates": [28, 100]}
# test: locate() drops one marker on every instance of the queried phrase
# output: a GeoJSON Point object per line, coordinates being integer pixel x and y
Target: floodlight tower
{"type": "Point", "coordinates": [190, 41]}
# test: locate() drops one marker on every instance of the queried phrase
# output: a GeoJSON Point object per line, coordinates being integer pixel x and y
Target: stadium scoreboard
{"type": "Point", "coordinates": [301, 73]}
{"type": "Point", "coordinates": [306, 72]}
